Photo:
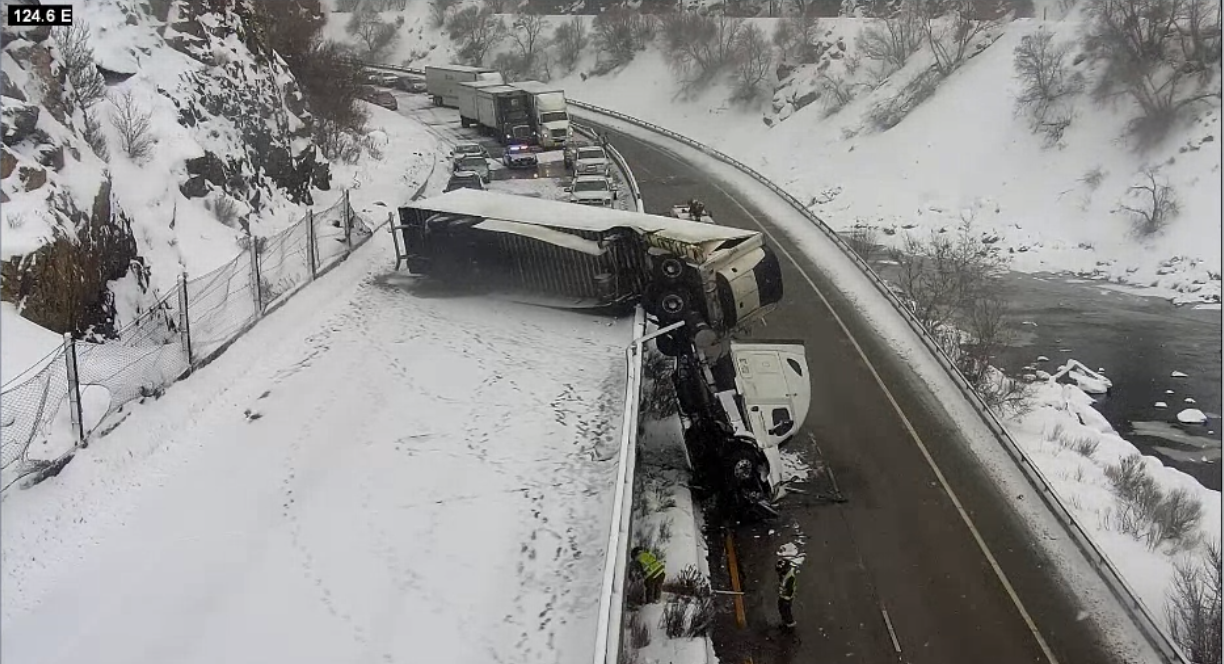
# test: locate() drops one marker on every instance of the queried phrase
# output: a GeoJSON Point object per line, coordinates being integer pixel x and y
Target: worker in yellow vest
{"type": "Point", "coordinates": [786, 591]}
{"type": "Point", "coordinates": [653, 572]}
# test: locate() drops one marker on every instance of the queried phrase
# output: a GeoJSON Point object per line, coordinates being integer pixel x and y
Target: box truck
{"type": "Point", "coordinates": [505, 113]}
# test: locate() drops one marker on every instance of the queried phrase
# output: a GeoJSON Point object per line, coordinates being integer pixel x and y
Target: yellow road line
{"type": "Point", "coordinates": [741, 620]}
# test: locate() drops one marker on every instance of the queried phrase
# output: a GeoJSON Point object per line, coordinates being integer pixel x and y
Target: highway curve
{"type": "Point", "coordinates": [895, 573]}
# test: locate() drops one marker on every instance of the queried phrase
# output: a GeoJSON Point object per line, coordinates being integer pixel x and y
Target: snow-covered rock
{"type": "Point", "coordinates": [1161, 404]}
{"type": "Point", "coordinates": [1191, 416]}
{"type": "Point", "coordinates": [1178, 374]}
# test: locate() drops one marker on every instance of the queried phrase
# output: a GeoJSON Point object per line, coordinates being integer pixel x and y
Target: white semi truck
{"type": "Point", "coordinates": [442, 81]}
{"type": "Point", "coordinates": [549, 111]}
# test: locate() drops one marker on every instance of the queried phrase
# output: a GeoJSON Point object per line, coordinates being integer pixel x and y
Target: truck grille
{"type": "Point", "coordinates": [559, 133]}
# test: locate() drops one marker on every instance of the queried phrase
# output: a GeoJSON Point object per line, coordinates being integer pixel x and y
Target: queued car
{"type": "Point", "coordinates": [475, 164]}
{"type": "Point", "coordinates": [591, 160]}
{"type": "Point", "coordinates": [465, 149]}
{"type": "Point", "coordinates": [410, 84]}
{"type": "Point", "coordinates": [465, 180]}
{"type": "Point", "coordinates": [520, 156]}
{"type": "Point", "coordinates": [592, 190]}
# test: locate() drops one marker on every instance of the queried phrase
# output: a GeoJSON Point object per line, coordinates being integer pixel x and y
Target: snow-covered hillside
{"type": "Point", "coordinates": [962, 153]}
{"type": "Point", "coordinates": [91, 234]}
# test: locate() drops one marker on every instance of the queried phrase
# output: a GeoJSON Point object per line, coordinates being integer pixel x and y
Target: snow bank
{"type": "Point", "coordinates": [26, 347]}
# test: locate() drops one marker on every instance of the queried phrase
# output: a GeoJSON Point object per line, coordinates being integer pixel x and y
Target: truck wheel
{"type": "Point", "coordinates": [464, 122]}
{"type": "Point", "coordinates": [671, 304]}
{"type": "Point", "coordinates": [667, 345]}
{"type": "Point", "coordinates": [669, 268]}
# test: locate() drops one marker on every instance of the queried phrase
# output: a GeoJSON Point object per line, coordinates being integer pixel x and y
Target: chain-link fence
{"type": "Point", "coordinates": [80, 389]}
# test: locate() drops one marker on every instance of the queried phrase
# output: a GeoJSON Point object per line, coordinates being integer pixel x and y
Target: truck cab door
{"type": "Point", "coordinates": [777, 394]}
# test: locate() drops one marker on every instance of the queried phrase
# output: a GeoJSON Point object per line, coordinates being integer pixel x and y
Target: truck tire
{"type": "Point", "coordinates": [671, 304]}
{"type": "Point", "coordinates": [669, 268]}
{"type": "Point", "coordinates": [464, 122]}
{"type": "Point", "coordinates": [667, 345]}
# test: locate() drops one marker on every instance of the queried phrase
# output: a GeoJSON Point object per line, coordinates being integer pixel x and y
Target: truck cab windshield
{"type": "Point", "coordinates": [554, 116]}
{"type": "Point", "coordinates": [591, 153]}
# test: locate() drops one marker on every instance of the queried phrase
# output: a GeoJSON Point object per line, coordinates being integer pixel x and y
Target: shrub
{"type": "Point", "coordinates": [659, 400]}
{"type": "Point", "coordinates": [890, 113]}
{"type": "Point", "coordinates": [1156, 205]}
{"type": "Point", "coordinates": [226, 209]}
{"type": "Point", "coordinates": [475, 32]}
{"type": "Point", "coordinates": [1046, 85]}
{"type": "Point", "coordinates": [674, 619]}
{"type": "Point", "coordinates": [863, 240]}
{"type": "Point", "coordinates": [639, 632]}
{"type": "Point", "coordinates": [79, 64]}
{"type": "Point", "coordinates": [700, 47]}
{"type": "Point", "coordinates": [796, 37]}
{"type": "Point", "coordinates": [133, 123]}
{"type": "Point", "coordinates": [439, 11]}
{"type": "Point", "coordinates": [1193, 608]}
{"type": "Point", "coordinates": [753, 60]}
{"type": "Point", "coordinates": [891, 42]}
{"type": "Point", "coordinates": [620, 33]}
{"type": "Point", "coordinates": [1085, 447]}
{"type": "Point", "coordinates": [837, 92]}
{"type": "Point", "coordinates": [92, 132]}
{"type": "Point", "coordinates": [635, 590]}
{"type": "Point", "coordinates": [949, 41]}
{"type": "Point", "coordinates": [1162, 54]}
{"type": "Point", "coordinates": [1177, 516]}
{"type": "Point", "coordinates": [700, 616]}
{"type": "Point", "coordinates": [688, 582]}
{"type": "Point", "coordinates": [570, 39]}
{"type": "Point", "coordinates": [1146, 512]}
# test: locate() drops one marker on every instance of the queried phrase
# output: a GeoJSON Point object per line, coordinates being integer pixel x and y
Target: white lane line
{"type": "Point", "coordinates": [892, 634]}
{"type": "Point", "coordinates": [909, 427]}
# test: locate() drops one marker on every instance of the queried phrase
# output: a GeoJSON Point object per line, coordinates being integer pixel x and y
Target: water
{"type": "Point", "coordinates": [1139, 341]}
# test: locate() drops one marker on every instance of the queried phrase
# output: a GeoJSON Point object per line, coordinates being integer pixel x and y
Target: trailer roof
{"type": "Point", "coordinates": [559, 214]}
{"type": "Point", "coordinates": [482, 84]}
{"type": "Point", "coordinates": [536, 87]}
{"type": "Point", "coordinates": [461, 68]}
{"type": "Point", "coordinates": [500, 88]}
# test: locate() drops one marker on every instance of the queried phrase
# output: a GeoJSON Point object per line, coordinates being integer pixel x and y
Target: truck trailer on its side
{"type": "Point", "coordinates": [549, 113]}
{"type": "Point", "coordinates": [441, 81]}
{"type": "Point", "coordinates": [716, 279]}
{"type": "Point", "coordinates": [505, 113]}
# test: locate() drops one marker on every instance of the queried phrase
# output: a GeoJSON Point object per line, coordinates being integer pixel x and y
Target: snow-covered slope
{"type": "Point", "coordinates": [230, 149]}
{"type": "Point", "coordinates": [368, 475]}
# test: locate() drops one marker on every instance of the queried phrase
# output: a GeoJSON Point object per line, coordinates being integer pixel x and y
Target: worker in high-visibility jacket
{"type": "Point", "coordinates": [653, 572]}
{"type": "Point", "coordinates": [786, 591]}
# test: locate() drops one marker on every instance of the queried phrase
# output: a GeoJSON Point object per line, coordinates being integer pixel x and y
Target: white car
{"type": "Point", "coordinates": [591, 160]}
{"type": "Point", "coordinates": [475, 164]}
{"type": "Point", "coordinates": [466, 149]}
{"type": "Point", "coordinates": [592, 190]}
{"type": "Point", "coordinates": [519, 156]}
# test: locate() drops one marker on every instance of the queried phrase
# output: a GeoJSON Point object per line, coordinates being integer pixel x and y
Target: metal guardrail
{"type": "Point", "coordinates": [1155, 634]}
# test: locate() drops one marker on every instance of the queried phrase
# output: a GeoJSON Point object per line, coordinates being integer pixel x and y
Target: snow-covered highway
{"type": "Point", "coordinates": [369, 475]}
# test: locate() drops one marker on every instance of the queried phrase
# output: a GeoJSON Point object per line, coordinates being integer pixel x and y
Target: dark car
{"type": "Point", "coordinates": [465, 180]}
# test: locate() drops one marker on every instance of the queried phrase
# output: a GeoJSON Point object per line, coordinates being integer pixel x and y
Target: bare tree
{"type": "Point", "coordinates": [796, 37]}
{"type": "Point", "coordinates": [700, 47]}
{"type": "Point", "coordinates": [1047, 85]}
{"type": "Point", "coordinates": [1161, 53]}
{"type": "Point", "coordinates": [439, 11]}
{"type": "Point", "coordinates": [346, 6]}
{"type": "Point", "coordinates": [950, 36]}
{"type": "Point", "coordinates": [837, 91]}
{"type": "Point", "coordinates": [620, 33]}
{"type": "Point", "coordinates": [475, 32]}
{"type": "Point", "coordinates": [526, 31]}
{"type": "Point", "coordinates": [72, 43]}
{"type": "Point", "coordinates": [892, 41]}
{"type": "Point", "coordinates": [1156, 206]}
{"type": "Point", "coordinates": [1193, 607]}
{"type": "Point", "coordinates": [571, 40]}
{"type": "Point", "coordinates": [133, 124]}
{"type": "Point", "coordinates": [753, 60]}
{"type": "Point", "coordinates": [375, 34]}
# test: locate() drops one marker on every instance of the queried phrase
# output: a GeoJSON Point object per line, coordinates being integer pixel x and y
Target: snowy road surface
{"type": "Point", "coordinates": [368, 476]}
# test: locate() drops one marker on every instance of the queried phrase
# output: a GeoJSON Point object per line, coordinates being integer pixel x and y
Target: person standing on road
{"type": "Point", "coordinates": [653, 571]}
{"type": "Point", "coordinates": [786, 592]}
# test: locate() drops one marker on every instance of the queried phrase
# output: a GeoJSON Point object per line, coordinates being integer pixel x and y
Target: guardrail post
{"type": "Point", "coordinates": [256, 285]}
{"type": "Point", "coordinates": [184, 318]}
{"type": "Point", "coordinates": [348, 222]}
{"type": "Point", "coordinates": [74, 390]}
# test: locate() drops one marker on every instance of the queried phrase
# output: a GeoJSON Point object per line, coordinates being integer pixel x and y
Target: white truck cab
{"type": "Point", "coordinates": [771, 398]}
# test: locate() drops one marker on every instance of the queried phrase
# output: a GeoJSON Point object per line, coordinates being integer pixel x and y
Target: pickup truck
{"type": "Point", "coordinates": [592, 190]}
{"type": "Point", "coordinates": [588, 160]}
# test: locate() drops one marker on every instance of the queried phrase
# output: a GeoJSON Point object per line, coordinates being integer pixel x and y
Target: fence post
{"type": "Point", "coordinates": [310, 243]}
{"type": "Point", "coordinates": [256, 288]}
{"type": "Point", "coordinates": [184, 318]}
{"type": "Point", "coordinates": [74, 390]}
{"type": "Point", "coordinates": [348, 222]}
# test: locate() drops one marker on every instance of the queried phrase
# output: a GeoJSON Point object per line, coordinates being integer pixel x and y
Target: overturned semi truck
{"type": "Point", "coordinates": [714, 278]}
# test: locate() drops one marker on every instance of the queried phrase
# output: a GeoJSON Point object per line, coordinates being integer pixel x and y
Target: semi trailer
{"type": "Point", "coordinates": [504, 113]}
{"type": "Point", "coordinates": [715, 278]}
{"type": "Point", "coordinates": [442, 81]}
